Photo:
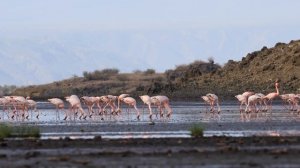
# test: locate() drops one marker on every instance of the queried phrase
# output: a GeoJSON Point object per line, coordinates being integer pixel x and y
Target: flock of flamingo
{"type": "Point", "coordinates": [20, 106]}
{"type": "Point", "coordinates": [251, 100]}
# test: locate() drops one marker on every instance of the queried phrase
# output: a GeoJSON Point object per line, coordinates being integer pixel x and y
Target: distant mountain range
{"type": "Point", "coordinates": [39, 57]}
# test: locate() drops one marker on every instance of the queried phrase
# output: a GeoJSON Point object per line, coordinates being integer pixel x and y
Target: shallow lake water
{"type": "Point", "coordinates": [183, 113]}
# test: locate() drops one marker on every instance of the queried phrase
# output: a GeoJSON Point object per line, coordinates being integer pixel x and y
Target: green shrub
{"type": "Point", "coordinates": [18, 131]}
{"type": "Point", "coordinates": [137, 71]}
{"type": "Point", "coordinates": [197, 130]}
{"type": "Point", "coordinates": [122, 77]}
{"type": "Point", "coordinates": [7, 89]}
{"type": "Point", "coordinates": [5, 131]}
{"type": "Point", "coordinates": [110, 71]}
{"type": "Point", "coordinates": [149, 72]}
{"type": "Point", "coordinates": [26, 131]}
{"type": "Point", "coordinates": [104, 74]}
{"type": "Point", "coordinates": [195, 69]}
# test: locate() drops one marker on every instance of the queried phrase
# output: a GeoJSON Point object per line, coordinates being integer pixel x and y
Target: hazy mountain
{"type": "Point", "coordinates": [40, 57]}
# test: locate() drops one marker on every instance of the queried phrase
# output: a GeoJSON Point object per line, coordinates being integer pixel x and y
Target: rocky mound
{"type": "Point", "coordinates": [257, 72]}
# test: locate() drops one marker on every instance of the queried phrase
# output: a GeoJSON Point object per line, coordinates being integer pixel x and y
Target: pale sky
{"type": "Point", "coordinates": [65, 15]}
{"type": "Point", "coordinates": [134, 34]}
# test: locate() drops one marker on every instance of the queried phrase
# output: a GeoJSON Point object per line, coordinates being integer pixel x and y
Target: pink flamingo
{"type": "Point", "coordinates": [90, 102]}
{"type": "Point", "coordinates": [262, 101]}
{"type": "Point", "coordinates": [74, 105]}
{"type": "Point", "coordinates": [147, 100]}
{"type": "Point", "coordinates": [291, 100]}
{"type": "Point", "coordinates": [243, 100]}
{"type": "Point", "coordinates": [271, 96]}
{"type": "Point", "coordinates": [100, 104]}
{"type": "Point", "coordinates": [110, 101]}
{"type": "Point", "coordinates": [11, 104]}
{"type": "Point", "coordinates": [214, 100]}
{"type": "Point", "coordinates": [294, 99]}
{"type": "Point", "coordinates": [131, 102]}
{"type": "Point", "coordinates": [247, 94]}
{"type": "Point", "coordinates": [206, 101]}
{"type": "Point", "coordinates": [4, 102]}
{"type": "Point", "coordinates": [164, 103]}
{"type": "Point", "coordinates": [297, 98]}
{"type": "Point", "coordinates": [32, 105]}
{"type": "Point", "coordinates": [59, 104]}
{"type": "Point", "coordinates": [252, 103]}
{"type": "Point", "coordinates": [19, 102]}
{"type": "Point", "coordinates": [122, 96]}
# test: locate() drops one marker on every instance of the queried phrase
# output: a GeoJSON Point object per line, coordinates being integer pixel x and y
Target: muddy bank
{"type": "Point", "coordinates": [205, 152]}
{"type": "Point", "coordinates": [146, 127]}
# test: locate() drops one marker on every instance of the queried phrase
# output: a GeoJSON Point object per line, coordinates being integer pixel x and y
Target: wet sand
{"type": "Point", "coordinates": [147, 127]}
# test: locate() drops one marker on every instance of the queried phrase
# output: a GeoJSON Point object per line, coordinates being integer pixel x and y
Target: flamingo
{"type": "Point", "coordinates": [131, 102]}
{"type": "Point", "coordinates": [75, 104]}
{"type": "Point", "coordinates": [247, 94]}
{"type": "Point", "coordinates": [297, 98]}
{"type": "Point", "coordinates": [21, 103]}
{"type": "Point", "coordinates": [252, 102]}
{"type": "Point", "coordinates": [262, 101]}
{"type": "Point", "coordinates": [3, 102]}
{"type": "Point", "coordinates": [214, 100]}
{"type": "Point", "coordinates": [271, 96]}
{"type": "Point", "coordinates": [290, 99]}
{"type": "Point", "coordinates": [110, 101]}
{"type": "Point", "coordinates": [147, 100]}
{"type": "Point", "coordinates": [32, 105]}
{"type": "Point", "coordinates": [285, 99]}
{"type": "Point", "coordinates": [163, 103]}
{"type": "Point", "coordinates": [100, 104]}
{"type": "Point", "coordinates": [89, 102]}
{"type": "Point", "coordinates": [243, 100]}
{"type": "Point", "coordinates": [206, 101]}
{"type": "Point", "coordinates": [294, 99]}
{"type": "Point", "coordinates": [11, 104]}
{"type": "Point", "coordinates": [122, 96]}
{"type": "Point", "coordinates": [58, 103]}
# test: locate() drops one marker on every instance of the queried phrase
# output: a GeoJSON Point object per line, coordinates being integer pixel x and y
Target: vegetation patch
{"type": "Point", "coordinates": [5, 131]}
{"type": "Point", "coordinates": [23, 131]}
{"type": "Point", "coordinates": [197, 130]}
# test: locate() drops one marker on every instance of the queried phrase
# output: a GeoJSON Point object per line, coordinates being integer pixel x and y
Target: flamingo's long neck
{"type": "Point", "coordinates": [277, 90]}
{"type": "Point", "coordinates": [119, 103]}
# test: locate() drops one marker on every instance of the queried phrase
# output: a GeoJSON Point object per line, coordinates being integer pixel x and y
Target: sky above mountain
{"type": "Point", "coordinates": [45, 41]}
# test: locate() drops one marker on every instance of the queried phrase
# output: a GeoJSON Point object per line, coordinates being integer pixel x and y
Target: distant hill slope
{"type": "Point", "coordinates": [257, 72]}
